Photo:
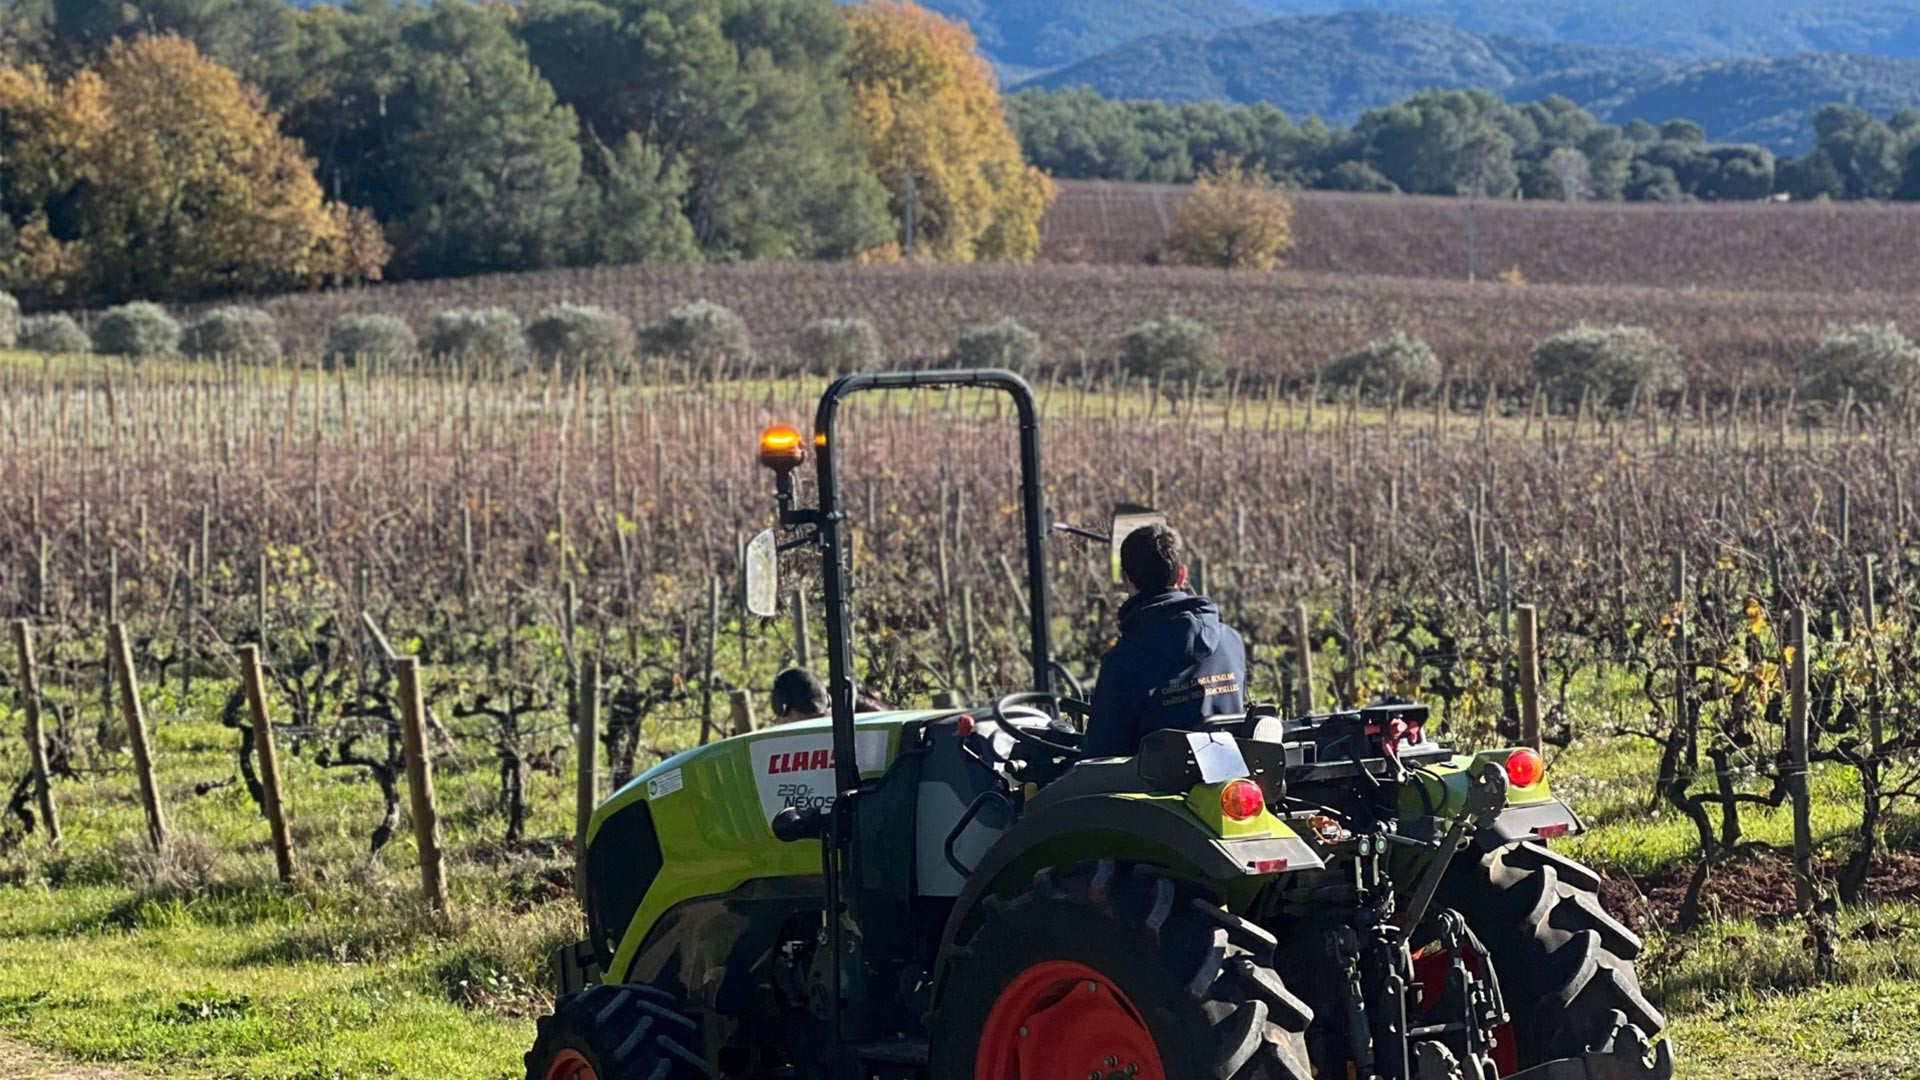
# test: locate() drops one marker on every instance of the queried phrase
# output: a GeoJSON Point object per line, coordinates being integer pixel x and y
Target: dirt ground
{"type": "Point", "coordinates": [1757, 883]}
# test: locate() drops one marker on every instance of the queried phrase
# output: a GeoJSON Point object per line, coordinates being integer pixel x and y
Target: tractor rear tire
{"type": "Point", "coordinates": [1565, 965]}
{"type": "Point", "coordinates": [1164, 971]}
{"type": "Point", "coordinates": [617, 1033]}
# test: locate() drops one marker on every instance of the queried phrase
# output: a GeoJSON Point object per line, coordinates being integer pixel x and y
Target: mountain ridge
{"type": "Point", "coordinates": [1031, 37]}
{"type": "Point", "coordinates": [1336, 66]}
{"type": "Point", "coordinates": [1689, 29]}
{"type": "Point", "coordinates": [1026, 37]}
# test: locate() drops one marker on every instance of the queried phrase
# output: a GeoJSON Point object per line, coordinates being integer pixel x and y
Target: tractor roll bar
{"type": "Point", "coordinates": [834, 569]}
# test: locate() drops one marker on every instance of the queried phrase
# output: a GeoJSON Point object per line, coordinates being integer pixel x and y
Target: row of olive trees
{"type": "Point", "coordinates": [142, 329]}
{"type": "Point", "coordinates": [698, 337]}
{"type": "Point", "coordinates": [578, 333]}
{"type": "Point", "coordinates": [1613, 366]}
{"type": "Point", "coordinates": [698, 333]}
{"type": "Point", "coordinates": [1603, 366]}
{"type": "Point", "coordinates": [1608, 367]}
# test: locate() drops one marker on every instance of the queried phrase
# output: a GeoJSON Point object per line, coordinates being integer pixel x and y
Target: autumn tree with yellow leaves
{"type": "Point", "coordinates": [1236, 218]}
{"type": "Point", "coordinates": [157, 173]}
{"type": "Point", "coordinates": [932, 113]}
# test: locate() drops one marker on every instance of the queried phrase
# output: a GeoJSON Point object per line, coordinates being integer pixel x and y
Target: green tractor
{"type": "Point", "coordinates": [961, 894]}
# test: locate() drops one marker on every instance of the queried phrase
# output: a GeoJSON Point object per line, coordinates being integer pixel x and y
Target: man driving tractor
{"type": "Point", "coordinates": [1175, 664]}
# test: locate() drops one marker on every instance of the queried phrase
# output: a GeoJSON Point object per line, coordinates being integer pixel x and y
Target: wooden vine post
{"type": "Point", "coordinates": [1356, 652]}
{"type": "Point", "coordinates": [587, 788]}
{"type": "Point", "coordinates": [802, 646]}
{"type": "Point", "coordinates": [1797, 754]}
{"type": "Point", "coordinates": [467, 574]}
{"type": "Point", "coordinates": [136, 717]}
{"type": "Point", "coordinates": [740, 711]}
{"type": "Point", "coordinates": [273, 802]}
{"type": "Point", "coordinates": [706, 678]}
{"type": "Point", "coordinates": [1303, 649]}
{"type": "Point", "coordinates": [1527, 657]}
{"type": "Point", "coordinates": [426, 810]}
{"type": "Point", "coordinates": [971, 663]}
{"type": "Point", "coordinates": [36, 739]}
{"type": "Point", "coordinates": [1683, 669]}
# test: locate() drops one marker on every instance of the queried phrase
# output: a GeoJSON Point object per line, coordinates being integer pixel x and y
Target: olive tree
{"type": "Point", "coordinates": [1608, 365]}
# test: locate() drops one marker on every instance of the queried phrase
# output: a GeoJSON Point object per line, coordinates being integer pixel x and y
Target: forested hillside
{"type": "Point", "coordinates": [1769, 101]}
{"type": "Point", "coordinates": [1469, 142]}
{"type": "Point", "coordinates": [1029, 36]}
{"type": "Point", "coordinates": [1338, 66]}
{"type": "Point", "coordinates": [1024, 37]}
{"type": "Point", "coordinates": [1686, 28]}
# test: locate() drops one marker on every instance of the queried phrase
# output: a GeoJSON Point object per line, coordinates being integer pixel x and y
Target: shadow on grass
{"type": "Point", "coordinates": [372, 937]}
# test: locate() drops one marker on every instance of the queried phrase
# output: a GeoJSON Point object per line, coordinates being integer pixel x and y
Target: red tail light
{"type": "Point", "coordinates": [1242, 800]}
{"type": "Point", "coordinates": [1524, 768]}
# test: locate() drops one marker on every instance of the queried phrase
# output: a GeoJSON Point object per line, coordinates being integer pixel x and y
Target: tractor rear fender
{"type": "Point", "coordinates": [1152, 830]}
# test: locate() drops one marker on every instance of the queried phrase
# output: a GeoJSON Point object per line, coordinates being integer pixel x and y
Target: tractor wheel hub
{"type": "Point", "coordinates": [570, 1065]}
{"type": "Point", "coordinates": [1060, 1020]}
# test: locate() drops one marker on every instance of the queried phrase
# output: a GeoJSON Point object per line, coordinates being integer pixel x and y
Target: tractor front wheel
{"type": "Point", "coordinates": [616, 1033]}
{"type": "Point", "coordinates": [1116, 972]}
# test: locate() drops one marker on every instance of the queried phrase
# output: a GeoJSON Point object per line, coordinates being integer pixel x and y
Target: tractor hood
{"type": "Point", "coordinates": [788, 765]}
{"type": "Point", "coordinates": [698, 823]}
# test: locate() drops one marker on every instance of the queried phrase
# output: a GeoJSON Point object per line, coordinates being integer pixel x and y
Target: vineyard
{"type": "Point", "coordinates": [540, 541]}
{"type": "Point", "coordinates": [1731, 247]}
{"type": "Point", "coordinates": [1283, 326]}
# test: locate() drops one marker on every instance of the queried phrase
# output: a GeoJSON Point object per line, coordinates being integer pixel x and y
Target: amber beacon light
{"type": "Point", "coordinates": [781, 448]}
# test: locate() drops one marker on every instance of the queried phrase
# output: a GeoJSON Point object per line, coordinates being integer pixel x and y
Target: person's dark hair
{"type": "Point", "coordinates": [797, 689]}
{"type": "Point", "coordinates": [1151, 557]}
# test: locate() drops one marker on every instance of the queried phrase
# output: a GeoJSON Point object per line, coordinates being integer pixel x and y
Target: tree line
{"type": "Point", "coordinates": [460, 137]}
{"type": "Point", "coordinates": [1465, 142]}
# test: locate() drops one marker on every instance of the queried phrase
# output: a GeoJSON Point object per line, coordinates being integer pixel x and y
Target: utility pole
{"type": "Point", "coordinates": [906, 249]}
{"type": "Point", "coordinates": [1473, 237]}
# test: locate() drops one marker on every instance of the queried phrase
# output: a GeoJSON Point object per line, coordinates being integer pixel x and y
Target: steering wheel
{"type": "Point", "coordinates": [1050, 704]}
{"type": "Point", "coordinates": [1060, 671]}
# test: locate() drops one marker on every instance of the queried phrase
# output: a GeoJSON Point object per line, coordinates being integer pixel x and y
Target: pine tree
{"type": "Point", "coordinates": [484, 156]}
{"type": "Point", "coordinates": [745, 96]}
{"type": "Point", "coordinates": [633, 207]}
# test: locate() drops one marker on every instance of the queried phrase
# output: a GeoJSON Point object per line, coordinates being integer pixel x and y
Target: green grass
{"type": "Point", "coordinates": [199, 964]}
{"type": "Point", "coordinates": [1856, 1031]}
{"type": "Point", "coordinates": [186, 990]}
{"type": "Point", "coordinates": [1609, 783]}
{"type": "Point", "coordinates": [1743, 999]}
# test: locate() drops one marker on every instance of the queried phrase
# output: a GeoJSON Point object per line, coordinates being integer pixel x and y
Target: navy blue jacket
{"type": "Point", "coordinates": [1175, 664]}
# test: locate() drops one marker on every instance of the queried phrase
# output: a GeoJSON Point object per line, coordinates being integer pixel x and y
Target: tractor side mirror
{"type": "Point", "coordinates": [1127, 518]}
{"type": "Point", "coordinates": [760, 575]}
